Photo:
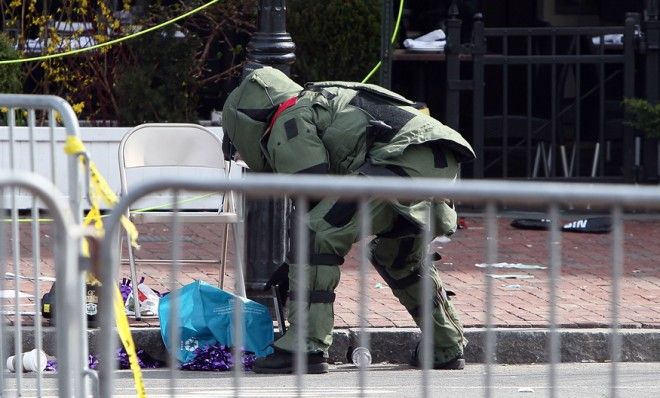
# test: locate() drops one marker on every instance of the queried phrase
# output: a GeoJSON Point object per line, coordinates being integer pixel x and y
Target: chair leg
{"type": "Point", "coordinates": [547, 159]}
{"type": "Point", "coordinates": [225, 245]}
{"type": "Point", "coordinates": [573, 155]}
{"type": "Point", "coordinates": [541, 156]}
{"type": "Point", "coordinates": [238, 263]}
{"type": "Point", "coordinates": [537, 159]}
{"type": "Point", "coordinates": [594, 164]}
{"type": "Point", "coordinates": [564, 160]}
{"type": "Point", "coordinates": [134, 287]}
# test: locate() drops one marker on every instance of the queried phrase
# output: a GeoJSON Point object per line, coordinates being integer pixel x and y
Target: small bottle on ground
{"type": "Point", "coordinates": [361, 357]}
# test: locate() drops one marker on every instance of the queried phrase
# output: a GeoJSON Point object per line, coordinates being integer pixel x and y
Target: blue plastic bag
{"type": "Point", "coordinates": [205, 315]}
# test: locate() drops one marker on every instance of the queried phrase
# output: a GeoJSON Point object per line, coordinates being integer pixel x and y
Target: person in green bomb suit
{"type": "Point", "coordinates": [347, 128]}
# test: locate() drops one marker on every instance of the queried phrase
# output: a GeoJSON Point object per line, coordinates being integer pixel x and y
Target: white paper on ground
{"type": "Point", "coordinates": [512, 265]}
{"type": "Point", "coordinates": [512, 287]}
{"type": "Point", "coordinates": [510, 276]}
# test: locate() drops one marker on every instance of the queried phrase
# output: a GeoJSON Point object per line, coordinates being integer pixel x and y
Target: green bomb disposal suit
{"type": "Point", "coordinates": [358, 129]}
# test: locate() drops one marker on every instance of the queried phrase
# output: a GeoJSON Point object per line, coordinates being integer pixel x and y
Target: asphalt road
{"type": "Point", "coordinates": [582, 380]}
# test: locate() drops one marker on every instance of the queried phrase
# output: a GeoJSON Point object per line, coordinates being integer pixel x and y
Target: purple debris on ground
{"type": "Point", "coordinates": [144, 360]}
{"type": "Point", "coordinates": [217, 357]}
{"type": "Point", "coordinates": [51, 365]}
{"type": "Point", "coordinates": [93, 361]}
{"type": "Point", "coordinates": [125, 288]}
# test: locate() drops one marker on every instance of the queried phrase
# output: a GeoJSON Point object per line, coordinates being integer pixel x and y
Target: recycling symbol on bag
{"type": "Point", "coordinates": [191, 344]}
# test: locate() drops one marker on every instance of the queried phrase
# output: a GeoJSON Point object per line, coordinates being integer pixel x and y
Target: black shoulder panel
{"type": "Point", "coordinates": [291, 128]}
{"type": "Point", "coordinates": [383, 111]}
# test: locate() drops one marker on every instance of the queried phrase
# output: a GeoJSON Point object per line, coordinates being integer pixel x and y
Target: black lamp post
{"type": "Point", "coordinates": [270, 45]}
{"type": "Point", "coordinates": [652, 51]}
{"type": "Point", "coordinates": [266, 220]}
{"type": "Point", "coordinates": [652, 31]}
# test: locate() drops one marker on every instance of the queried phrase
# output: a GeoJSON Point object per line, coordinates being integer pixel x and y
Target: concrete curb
{"type": "Point", "coordinates": [514, 346]}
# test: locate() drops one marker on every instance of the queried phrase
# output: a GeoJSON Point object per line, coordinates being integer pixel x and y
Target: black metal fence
{"type": "Point", "coordinates": [546, 102]}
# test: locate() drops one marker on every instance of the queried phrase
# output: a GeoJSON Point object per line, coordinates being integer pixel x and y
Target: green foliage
{"type": "Point", "coordinates": [157, 84]}
{"type": "Point", "coordinates": [643, 115]}
{"type": "Point", "coordinates": [10, 74]}
{"type": "Point", "coordinates": [224, 30]}
{"type": "Point", "coordinates": [335, 39]}
{"type": "Point", "coordinates": [104, 85]}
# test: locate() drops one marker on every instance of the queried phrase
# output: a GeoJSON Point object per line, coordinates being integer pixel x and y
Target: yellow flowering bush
{"type": "Point", "coordinates": [98, 83]}
{"type": "Point", "coordinates": [50, 27]}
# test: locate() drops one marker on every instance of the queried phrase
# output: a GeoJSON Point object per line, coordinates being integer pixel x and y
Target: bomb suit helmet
{"type": "Point", "coordinates": [249, 108]}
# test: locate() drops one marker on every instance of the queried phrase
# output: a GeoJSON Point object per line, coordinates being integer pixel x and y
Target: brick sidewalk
{"type": "Point", "coordinates": [583, 293]}
{"type": "Point", "coordinates": [584, 289]}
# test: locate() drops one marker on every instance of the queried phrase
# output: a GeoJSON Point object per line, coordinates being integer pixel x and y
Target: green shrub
{"type": "Point", "coordinates": [178, 79]}
{"type": "Point", "coordinates": [10, 74]}
{"type": "Point", "coordinates": [643, 115]}
{"type": "Point", "coordinates": [335, 39]}
{"type": "Point", "coordinates": [157, 84]}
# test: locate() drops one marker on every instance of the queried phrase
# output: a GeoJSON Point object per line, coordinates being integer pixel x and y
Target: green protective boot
{"type": "Point", "coordinates": [282, 362]}
{"type": "Point", "coordinates": [457, 363]}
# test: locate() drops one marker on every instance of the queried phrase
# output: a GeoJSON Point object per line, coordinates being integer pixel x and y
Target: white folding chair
{"type": "Point", "coordinates": [172, 146]}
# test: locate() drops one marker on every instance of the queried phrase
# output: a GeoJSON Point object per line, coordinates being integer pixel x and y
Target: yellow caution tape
{"type": "Point", "coordinates": [124, 331]}
{"type": "Point", "coordinates": [126, 338]}
{"type": "Point", "coordinates": [93, 216]}
{"type": "Point", "coordinates": [73, 145]}
{"type": "Point", "coordinates": [99, 188]}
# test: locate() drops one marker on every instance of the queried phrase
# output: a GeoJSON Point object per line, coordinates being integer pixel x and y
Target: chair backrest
{"type": "Point", "coordinates": [171, 145]}
{"type": "Point", "coordinates": [175, 144]}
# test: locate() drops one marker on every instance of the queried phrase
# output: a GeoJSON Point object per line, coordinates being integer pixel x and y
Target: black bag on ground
{"type": "Point", "coordinates": [594, 225]}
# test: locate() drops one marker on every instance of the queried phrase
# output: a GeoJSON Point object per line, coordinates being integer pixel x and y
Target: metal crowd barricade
{"type": "Point", "coordinates": [305, 188]}
{"type": "Point", "coordinates": [65, 258]}
{"type": "Point", "coordinates": [32, 128]}
{"type": "Point", "coordinates": [25, 126]}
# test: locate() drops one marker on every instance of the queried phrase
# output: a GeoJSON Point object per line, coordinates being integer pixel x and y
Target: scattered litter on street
{"type": "Point", "coordinates": [512, 287]}
{"type": "Point", "coordinates": [512, 265]}
{"type": "Point", "coordinates": [595, 225]}
{"type": "Point", "coordinates": [462, 224]}
{"type": "Point", "coordinates": [510, 276]}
